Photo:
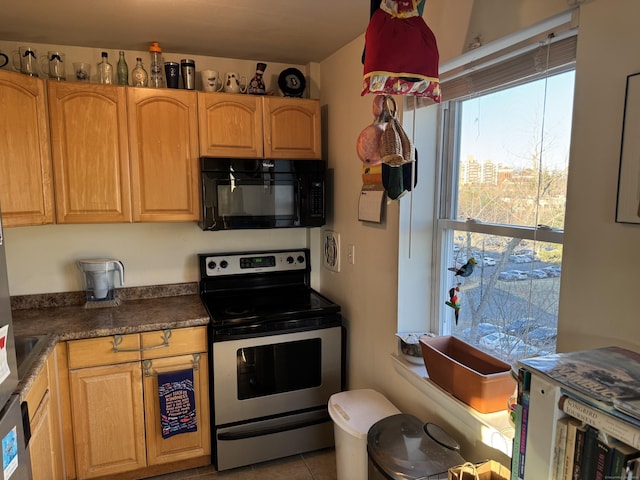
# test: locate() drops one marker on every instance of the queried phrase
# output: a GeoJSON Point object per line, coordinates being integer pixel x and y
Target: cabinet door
{"type": "Point", "coordinates": [292, 128]}
{"type": "Point", "coordinates": [90, 152]}
{"type": "Point", "coordinates": [108, 419]}
{"type": "Point", "coordinates": [182, 446]}
{"type": "Point", "coordinates": [230, 125]}
{"type": "Point", "coordinates": [26, 193]}
{"type": "Point", "coordinates": [42, 448]}
{"type": "Point", "coordinates": [163, 140]}
{"type": "Point", "coordinates": [45, 444]}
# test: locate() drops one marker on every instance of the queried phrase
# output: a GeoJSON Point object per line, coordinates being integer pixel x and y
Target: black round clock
{"type": "Point", "coordinates": [292, 82]}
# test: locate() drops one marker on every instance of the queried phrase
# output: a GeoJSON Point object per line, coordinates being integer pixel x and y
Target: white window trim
{"type": "Point", "coordinates": [562, 22]}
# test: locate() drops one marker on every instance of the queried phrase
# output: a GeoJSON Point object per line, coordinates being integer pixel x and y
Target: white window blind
{"type": "Point", "coordinates": [549, 57]}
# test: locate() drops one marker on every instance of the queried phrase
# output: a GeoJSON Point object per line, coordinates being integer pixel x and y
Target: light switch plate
{"type": "Point", "coordinates": [331, 251]}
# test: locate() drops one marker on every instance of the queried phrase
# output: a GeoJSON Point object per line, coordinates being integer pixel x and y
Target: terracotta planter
{"type": "Point", "coordinates": [471, 375]}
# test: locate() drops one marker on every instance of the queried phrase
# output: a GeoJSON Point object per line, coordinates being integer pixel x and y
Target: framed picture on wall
{"type": "Point", "coordinates": [628, 205]}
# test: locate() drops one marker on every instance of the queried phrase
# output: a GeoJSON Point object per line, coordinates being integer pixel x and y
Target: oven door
{"type": "Point", "coordinates": [272, 375]}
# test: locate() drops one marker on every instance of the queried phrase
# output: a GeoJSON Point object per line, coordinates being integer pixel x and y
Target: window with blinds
{"type": "Point", "coordinates": [506, 129]}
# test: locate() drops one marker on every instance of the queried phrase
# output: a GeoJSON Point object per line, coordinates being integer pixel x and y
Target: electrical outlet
{"type": "Point", "coordinates": [351, 254]}
{"type": "Point", "coordinates": [331, 251]}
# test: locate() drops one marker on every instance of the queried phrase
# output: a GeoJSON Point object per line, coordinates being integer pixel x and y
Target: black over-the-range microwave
{"type": "Point", "coordinates": [256, 193]}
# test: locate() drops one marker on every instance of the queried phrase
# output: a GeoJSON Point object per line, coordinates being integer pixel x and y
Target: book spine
{"type": "Point", "coordinates": [620, 456]}
{"type": "Point", "coordinates": [602, 421]}
{"type": "Point", "coordinates": [572, 428]}
{"type": "Point", "coordinates": [602, 406]}
{"type": "Point", "coordinates": [577, 456]}
{"type": "Point", "coordinates": [589, 455]}
{"type": "Point", "coordinates": [603, 459]}
{"type": "Point", "coordinates": [515, 451]}
{"type": "Point", "coordinates": [523, 434]}
{"type": "Point", "coordinates": [559, 452]}
{"type": "Point", "coordinates": [617, 465]}
{"type": "Point", "coordinates": [524, 400]}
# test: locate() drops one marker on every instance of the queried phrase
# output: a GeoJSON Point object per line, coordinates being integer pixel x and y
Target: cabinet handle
{"type": "Point", "coordinates": [147, 364]}
{"type": "Point", "coordinates": [117, 340]}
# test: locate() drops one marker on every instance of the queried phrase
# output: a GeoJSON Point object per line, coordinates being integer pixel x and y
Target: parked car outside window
{"type": "Point", "coordinates": [499, 340]}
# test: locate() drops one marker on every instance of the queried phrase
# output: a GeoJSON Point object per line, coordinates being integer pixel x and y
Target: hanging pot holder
{"type": "Point", "coordinates": [395, 146]}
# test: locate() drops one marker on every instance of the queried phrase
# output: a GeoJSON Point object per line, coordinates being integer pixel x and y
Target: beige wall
{"type": "Point", "coordinates": [42, 259]}
{"type": "Point", "coordinates": [600, 264]}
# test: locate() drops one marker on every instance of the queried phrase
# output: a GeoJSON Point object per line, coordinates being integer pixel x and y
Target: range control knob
{"type": "Point", "coordinates": [289, 259]}
{"type": "Point", "coordinates": [211, 265]}
{"type": "Point", "coordinates": [300, 259]}
{"type": "Point", "coordinates": [224, 264]}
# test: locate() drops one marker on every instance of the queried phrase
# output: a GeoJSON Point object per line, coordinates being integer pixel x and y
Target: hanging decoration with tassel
{"type": "Point", "coordinates": [401, 53]}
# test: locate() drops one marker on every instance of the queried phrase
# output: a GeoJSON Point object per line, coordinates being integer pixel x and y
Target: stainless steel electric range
{"type": "Point", "coordinates": [277, 355]}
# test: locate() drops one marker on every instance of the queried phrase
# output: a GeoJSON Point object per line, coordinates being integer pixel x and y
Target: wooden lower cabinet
{"type": "Point", "coordinates": [108, 419]}
{"type": "Point", "coordinates": [184, 445]}
{"type": "Point", "coordinates": [115, 404]}
{"type": "Point", "coordinates": [45, 445]}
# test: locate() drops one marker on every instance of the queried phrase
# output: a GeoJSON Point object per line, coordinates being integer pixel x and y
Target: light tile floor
{"type": "Point", "coordinates": [318, 465]}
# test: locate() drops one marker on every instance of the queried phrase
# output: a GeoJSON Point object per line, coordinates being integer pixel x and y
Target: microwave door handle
{"type": "Point", "coordinates": [208, 193]}
{"type": "Point", "coordinates": [298, 196]}
{"type": "Point", "coordinates": [267, 182]}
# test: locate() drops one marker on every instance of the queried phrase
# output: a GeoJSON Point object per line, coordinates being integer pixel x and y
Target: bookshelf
{"type": "Point", "coordinates": [550, 397]}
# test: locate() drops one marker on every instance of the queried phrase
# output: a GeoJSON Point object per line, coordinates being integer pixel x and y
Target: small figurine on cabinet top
{"type": "Point", "coordinates": [256, 85]}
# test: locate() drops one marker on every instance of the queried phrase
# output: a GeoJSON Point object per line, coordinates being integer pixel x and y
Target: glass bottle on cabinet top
{"type": "Point", "coordinates": [105, 70]}
{"type": "Point", "coordinates": [139, 77]}
{"type": "Point", "coordinates": [123, 70]}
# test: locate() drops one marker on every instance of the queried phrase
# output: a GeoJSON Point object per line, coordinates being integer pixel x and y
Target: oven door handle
{"type": "Point", "coordinates": [285, 427]}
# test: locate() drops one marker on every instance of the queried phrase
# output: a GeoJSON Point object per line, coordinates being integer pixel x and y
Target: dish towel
{"type": "Point", "coordinates": [177, 403]}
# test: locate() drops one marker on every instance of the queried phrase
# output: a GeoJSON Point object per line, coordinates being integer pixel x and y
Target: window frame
{"type": "Point", "coordinates": [445, 222]}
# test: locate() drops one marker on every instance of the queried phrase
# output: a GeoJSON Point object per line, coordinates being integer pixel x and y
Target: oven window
{"type": "Point", "coordinates": [256, 200]}
{"type": "Point", "coordinates": [278, 368]}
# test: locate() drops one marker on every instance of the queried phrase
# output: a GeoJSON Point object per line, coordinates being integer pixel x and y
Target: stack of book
{"type": "Point", "coordinates": [588, 453]}
{"type": "Point", "coordinates": [598, 434]}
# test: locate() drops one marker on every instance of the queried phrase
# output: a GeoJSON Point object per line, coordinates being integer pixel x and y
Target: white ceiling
{"type": "Point", "coordinates": [285, 31]}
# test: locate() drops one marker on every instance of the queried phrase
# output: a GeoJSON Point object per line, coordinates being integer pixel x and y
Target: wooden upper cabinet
{"type": "Point", "coordinates": [90, 152]}
{"type": "Point", "coordinates": [230, 125]}
{"type": "Point", "coordinates": [163, 140]}
{"type": "Point", "coordinates": [26, 193]}
{"type": "Point", "coordinates": [292, 128]}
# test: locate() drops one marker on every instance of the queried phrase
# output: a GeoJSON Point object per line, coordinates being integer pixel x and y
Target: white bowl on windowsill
{"type": "Point", "coordinates": [410, 346]}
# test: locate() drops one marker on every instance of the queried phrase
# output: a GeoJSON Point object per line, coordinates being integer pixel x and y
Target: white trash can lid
{"type": "Point", "coordinates": [355, 411]}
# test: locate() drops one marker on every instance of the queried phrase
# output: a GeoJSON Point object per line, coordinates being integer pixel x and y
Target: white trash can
{"type": "Point", "coordinates": [353, 413]}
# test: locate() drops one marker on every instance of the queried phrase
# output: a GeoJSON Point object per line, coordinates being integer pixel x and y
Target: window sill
{"type": "Point", "coordinates": [494, 429]}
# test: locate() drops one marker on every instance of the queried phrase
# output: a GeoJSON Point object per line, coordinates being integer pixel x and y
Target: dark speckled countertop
{"type": "Point", "coordinates": [63, 317]}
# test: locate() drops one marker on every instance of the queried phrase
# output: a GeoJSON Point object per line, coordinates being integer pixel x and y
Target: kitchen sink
{"type": "Point", "coordinates": [28, 347]}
